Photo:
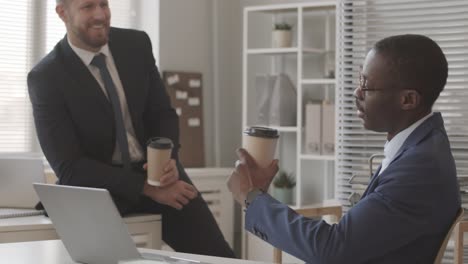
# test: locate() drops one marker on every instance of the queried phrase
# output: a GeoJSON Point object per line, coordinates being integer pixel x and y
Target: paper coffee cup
{"type": "Point", "coordinates": [159, 153]}
{"type": "Point", "coordinates": [261, 142]}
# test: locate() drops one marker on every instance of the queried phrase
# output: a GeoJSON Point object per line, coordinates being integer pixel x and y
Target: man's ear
{"type": "Point", "coordinates": [410, 99]}
{"type": "Point", "coordinates": [61, 12]}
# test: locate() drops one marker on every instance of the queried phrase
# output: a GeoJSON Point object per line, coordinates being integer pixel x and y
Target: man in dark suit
{"type": "Point", "coordinates": [411, 200]}
{"type": "Point", "coordinates": [97, 99]}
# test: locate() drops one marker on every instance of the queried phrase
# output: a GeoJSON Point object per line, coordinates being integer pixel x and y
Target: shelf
{"type": "Point", "coordinates": [325, 204]}
{"type": "Point", "coordinates": [272, 51]}
{"type": "Point", "coordinates": [315, 51]}
{"type": "Point", "coordinates": [283, 8]}
{"type": "Point", "coordinates": [317, 157]}
{"type": "Point", "coordinates": [285, 129]}
{"type": "Point", "coordinates": [318, 81]}
{"type": "Point", "coordinates": [284, 51]}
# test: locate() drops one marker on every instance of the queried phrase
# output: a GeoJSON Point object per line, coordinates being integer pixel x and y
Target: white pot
{"type": "Point", "coordinates": [281, 38]}
{"type": "Point", "coordinates": [283, 195]}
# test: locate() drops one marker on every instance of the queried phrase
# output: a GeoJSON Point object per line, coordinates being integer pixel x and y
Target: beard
{"type": "Point", "coordinates": [95, 39]}
{"type": "Point", "coordinates": [92, 36]}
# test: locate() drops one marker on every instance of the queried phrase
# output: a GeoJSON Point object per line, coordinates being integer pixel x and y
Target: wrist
{"type": "Point", "coordinates": [252, 195]}
{"type": "Point", "coordinates": [149, 190]}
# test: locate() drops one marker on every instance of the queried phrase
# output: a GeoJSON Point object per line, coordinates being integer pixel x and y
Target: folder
{"type": "Point", "coordinates": [313, 120]}
{"type": "Point", "coordinates": [328, 129]}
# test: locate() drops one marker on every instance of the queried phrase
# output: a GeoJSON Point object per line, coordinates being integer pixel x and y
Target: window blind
{"type": "Point", "coordinates": [361, 24]}
{"type": "Point", "coordinates": [15, 52]}
{"type": "Point", "coordinates": [30, 29]}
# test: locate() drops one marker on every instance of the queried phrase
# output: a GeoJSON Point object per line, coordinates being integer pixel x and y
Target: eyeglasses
{"type": "Point", "coordinates": [363, 85]}
{"type": "Point", "coordinates": [364, 89]}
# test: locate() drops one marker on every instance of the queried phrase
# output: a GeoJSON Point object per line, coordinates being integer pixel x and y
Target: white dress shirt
{"type": "Point", "coordinates": [136, 151]}
{"type": "Point", "coordinates": [391, 147]}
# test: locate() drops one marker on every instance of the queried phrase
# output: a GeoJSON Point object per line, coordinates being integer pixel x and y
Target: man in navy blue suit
{"type": "Point", "coordinates": [412, 199]}
{"type": "Point", "coordinates": [97, 98]}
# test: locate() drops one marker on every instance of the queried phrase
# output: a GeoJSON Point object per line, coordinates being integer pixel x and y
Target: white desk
{"type": "Point", "coordinates": [145, 229]}
{"type": "Point", "coordinates": [53, 252]}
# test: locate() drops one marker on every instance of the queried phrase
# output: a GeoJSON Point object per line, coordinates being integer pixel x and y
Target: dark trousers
{"type": "Point", "coordinates": [190, 230]}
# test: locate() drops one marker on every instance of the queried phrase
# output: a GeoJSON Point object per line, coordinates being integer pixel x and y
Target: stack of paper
{"type": "Point", "coordinates": [18, 212]}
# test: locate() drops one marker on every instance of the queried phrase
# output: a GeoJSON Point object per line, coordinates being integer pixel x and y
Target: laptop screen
{"type": "Point", "coordinates": [91, 228]}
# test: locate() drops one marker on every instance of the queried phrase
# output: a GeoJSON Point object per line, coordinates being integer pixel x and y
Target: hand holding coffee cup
{"type": "Point", "coordinates": [159, 155]}
{"type": "Point", "coordinates": [255, 167]}
{"type": "Point", "coordinates": [259, 177]}
{"type": "Point", "coordinates": [260, 143]}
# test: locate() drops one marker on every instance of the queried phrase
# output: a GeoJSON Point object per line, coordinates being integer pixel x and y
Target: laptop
{"type": "Point", "coordinates": [91, 228]}
{"type": "Point", "coordinates": [17, 173]}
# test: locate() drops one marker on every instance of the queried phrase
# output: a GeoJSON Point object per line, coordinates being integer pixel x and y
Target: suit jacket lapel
{"type": "Point", "coordinates": [435, 121]}
{"type": "Point", "coordinates": [373, 183]}
{"type": "Point", "coordinates": [83, 77]}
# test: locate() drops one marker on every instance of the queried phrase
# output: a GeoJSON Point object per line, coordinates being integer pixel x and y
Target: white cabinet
{"type": "Point", "coordinates": [309, 64]}
{"type": "Point", "coordinates": [211, 183]}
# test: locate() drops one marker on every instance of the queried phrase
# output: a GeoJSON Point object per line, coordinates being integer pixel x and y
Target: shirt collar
{"type": "Point", "coordinates": [87, 56]}
{"type": "Point", "coordinates": [391, 147]}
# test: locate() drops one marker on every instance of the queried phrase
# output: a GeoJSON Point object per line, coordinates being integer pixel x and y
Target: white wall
{"type": "Point", "coordinates": [228, 39]}
{"type": "Point", "coordinates": [186, 45]}
{"type": "Point", "coordinates": [205, 36]}
{"type": "Point", "coordinates": [150, 24]}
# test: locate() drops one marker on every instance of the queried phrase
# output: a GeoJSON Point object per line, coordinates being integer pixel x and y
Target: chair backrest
{"type": "Point", "coordinates": [441, 252]}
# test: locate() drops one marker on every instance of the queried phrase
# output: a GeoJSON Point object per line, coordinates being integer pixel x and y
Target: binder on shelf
{"type": "Point", "coordinates": [328, 129]}
{"type": "Point", "coordinates": [264, 85]}
{"type": "Point", "coordinates": [283, 106]}
{"type": "Point", "coordinates": [275, 100]}
{"type": "Point", "coordinates": [313, 115]}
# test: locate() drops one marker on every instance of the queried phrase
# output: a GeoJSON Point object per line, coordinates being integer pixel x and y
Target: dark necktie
{"type": "Point", "coordinates": [100, 62]}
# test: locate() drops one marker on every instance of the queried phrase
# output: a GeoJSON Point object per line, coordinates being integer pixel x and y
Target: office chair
{"type": "Point", "coordinates": [459, 228]}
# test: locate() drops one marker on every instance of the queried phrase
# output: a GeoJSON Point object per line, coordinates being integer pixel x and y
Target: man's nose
{"type": "Point", "coordinates": [100, 13]}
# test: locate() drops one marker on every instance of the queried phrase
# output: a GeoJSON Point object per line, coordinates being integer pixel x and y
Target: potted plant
{"type": "Point", "coordinates": [282, 35]}
{"type": "Point", "coordinates": [283, 186]}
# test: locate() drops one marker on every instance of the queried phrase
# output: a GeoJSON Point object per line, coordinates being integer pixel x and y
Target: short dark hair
{"type": "Point", "coordinates": [417, 63]}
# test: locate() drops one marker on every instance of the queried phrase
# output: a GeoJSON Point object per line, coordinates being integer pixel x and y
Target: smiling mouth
{"type": "Point", "coordinates": [100, 26]}
{"type": "Point", "coordinates": [360, 111]}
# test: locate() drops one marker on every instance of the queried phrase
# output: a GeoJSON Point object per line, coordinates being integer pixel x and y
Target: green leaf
{"type": "Point", "coordinates": [284, 180]}
{"type": "Point", "coordinates": [282, 26]}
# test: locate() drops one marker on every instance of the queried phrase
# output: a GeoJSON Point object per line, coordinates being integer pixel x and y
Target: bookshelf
{"type": "Point", "coordinates": [309, 64]}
